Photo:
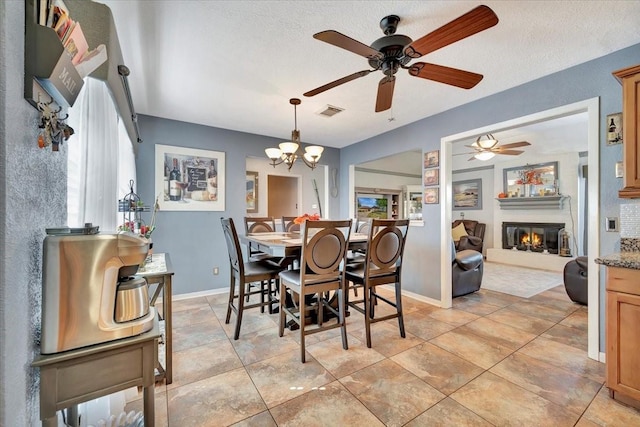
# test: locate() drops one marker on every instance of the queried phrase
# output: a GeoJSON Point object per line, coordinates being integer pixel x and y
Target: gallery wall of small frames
{"type": "Point", "coordinates": [431, 178]}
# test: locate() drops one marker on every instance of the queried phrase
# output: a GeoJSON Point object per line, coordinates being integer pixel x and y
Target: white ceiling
{"type": "Point", "coordinates": [236, 64]}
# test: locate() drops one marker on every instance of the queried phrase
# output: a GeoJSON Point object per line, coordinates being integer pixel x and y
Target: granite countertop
{"type": "Point", "coordinates": [629, 257]}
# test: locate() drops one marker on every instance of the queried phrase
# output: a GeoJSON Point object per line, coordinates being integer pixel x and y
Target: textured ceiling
{"type": "Point", "coordinates": [235, 64]}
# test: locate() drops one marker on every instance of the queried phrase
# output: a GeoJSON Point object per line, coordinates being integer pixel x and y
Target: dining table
{"type": "Point", "coordinates": [287, 247]}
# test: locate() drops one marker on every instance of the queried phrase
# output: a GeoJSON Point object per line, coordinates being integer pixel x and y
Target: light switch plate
{"type": "Point", "coordinates": [619, 170]}
{"type": "Point", "coordinates": [611, 224]}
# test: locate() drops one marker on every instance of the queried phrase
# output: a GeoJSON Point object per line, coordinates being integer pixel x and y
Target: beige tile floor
{"type": "Point", "coordinates": [493, 359]}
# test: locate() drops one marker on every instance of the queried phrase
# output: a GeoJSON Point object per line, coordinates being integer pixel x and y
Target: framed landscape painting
{"type": "Point", "coordinates": [189, 179]}
{"type": "Point", "coordinates": [467, 195]}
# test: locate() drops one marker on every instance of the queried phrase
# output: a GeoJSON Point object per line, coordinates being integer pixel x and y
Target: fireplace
{"type": "Point", "coordinates": [531, 236]}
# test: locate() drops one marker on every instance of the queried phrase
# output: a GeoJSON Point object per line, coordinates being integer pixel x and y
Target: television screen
{"type": "Point", "coordinates": [372, 207]}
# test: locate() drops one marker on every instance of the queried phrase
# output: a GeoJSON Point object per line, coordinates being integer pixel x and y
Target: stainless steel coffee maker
{"type": "Point", "coordinates": [90, 293]}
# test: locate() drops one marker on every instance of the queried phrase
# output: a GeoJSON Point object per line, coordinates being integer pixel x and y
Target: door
{"type": "Point", "coordinates": [282, 196]}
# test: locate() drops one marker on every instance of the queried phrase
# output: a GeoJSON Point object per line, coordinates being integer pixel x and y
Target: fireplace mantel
{"type": "Point", "coordinates": [535, 202]}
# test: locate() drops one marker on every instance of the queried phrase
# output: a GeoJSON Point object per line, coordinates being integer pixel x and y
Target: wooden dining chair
{"type": "Point", "coordinates": [245, 274]}
{"type": "Point", "coordinates": [265, 224]}
{"type": "Point", "coordinates": [382, 266]}
{"type": "Point", "coordinates": [322, 268]}
{"type": "Point", "coordinates": [288, 225]}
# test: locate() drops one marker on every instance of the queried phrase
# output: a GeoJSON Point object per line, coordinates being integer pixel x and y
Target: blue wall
{"type": "Point", "coordinates": [194, 240]}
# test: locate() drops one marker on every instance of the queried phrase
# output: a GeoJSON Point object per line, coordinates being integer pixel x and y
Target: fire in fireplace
{"type": "Point", "coordinates": [531, 236]}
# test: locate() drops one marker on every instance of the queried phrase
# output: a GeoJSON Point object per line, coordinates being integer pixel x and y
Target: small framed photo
{"type": "Point", "coordinates": [431, 176]}
{"type": "Point", "coordinates": [252, 192]}
{"type": "Point", "coordinates": [431, 196]}
{"type": "Point", "coordinates": [614, 129]}
{"type": "Point", "coordinates": [432, 159]}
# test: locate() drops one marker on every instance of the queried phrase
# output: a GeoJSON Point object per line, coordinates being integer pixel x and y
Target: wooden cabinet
{"type": "Point", "coordinates": [623, 334]}
{"type": "Point", "coordinates": [630, 80]}
{"type": "Point", "coordinates": [395, 206]}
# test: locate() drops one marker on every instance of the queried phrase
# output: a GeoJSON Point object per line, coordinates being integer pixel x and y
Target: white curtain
{"type": "Point", "coordinates": [100, 159]}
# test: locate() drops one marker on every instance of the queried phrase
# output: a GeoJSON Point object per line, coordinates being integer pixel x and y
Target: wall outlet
{"type": "Point", "coordinates": [611, 224]}
{"type": "Point", "coordinates": [216, 271]}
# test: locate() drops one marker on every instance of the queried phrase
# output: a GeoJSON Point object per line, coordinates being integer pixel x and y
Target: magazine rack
{"type": "Point", "coordinates": [47, 64]}
{"type": "Point", "coordinates": [49, 74]}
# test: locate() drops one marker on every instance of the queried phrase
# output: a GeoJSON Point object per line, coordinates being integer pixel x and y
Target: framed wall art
{"type": "Point", "coordinates": [432, 159]}
{"type": "Point", "coordinates": [467, 195]}
{"type": "Point", "coordinates": [431, 196]}
{"type": "Point", "coordinates": [252, 192]}
{"type": "Point", "coordinates": [189, 179]}
{"type": "Point", "coordinates": [614, 129]}
{"type": "Point", "coordinates": [431, 176]}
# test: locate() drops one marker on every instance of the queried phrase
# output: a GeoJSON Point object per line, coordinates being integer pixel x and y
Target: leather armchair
{"type": "Point", "coordinates": [575, 279]}
{"type": "Point", "coordinates": [467, 267]}
{"type": "Point", "coordinates": [475, 235]}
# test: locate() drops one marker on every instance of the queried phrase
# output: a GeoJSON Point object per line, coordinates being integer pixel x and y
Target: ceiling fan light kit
{"type": "Point", "coordinates": [288, 150]}
{"type": "Point", "coordinates": [395, 51]}
{"type": "Point", "coordinates": [486, 142]}
{"type": "Point", "coordinates": [487, 155]}
{"type": "Point", "coordinates": [486, 147]}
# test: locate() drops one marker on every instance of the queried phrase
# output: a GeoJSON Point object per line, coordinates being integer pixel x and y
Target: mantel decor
{"type": "Point", "coordinates": [537, 180]}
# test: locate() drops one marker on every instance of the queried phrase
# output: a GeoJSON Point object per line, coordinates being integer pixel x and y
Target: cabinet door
{"type": "Point", "coordinates": [623, 343]}
{"type": "Point", "coordinates": [630, 79]}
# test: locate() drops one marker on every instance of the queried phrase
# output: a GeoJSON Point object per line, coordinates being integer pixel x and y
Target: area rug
{"type": "Point", "coordinates": [518, 281]}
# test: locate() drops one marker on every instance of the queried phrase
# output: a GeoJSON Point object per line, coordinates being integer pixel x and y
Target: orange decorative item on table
{"type": "Point", "coordinates": [305, 217]}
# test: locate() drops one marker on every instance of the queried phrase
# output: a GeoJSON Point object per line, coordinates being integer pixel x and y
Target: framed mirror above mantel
{"type": "Point", "coordinates": [532, 186]}
{"type": "Point", "coordinates": [536, 180]}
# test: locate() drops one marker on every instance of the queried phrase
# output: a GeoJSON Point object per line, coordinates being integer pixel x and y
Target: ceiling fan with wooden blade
{"type": "Point", "coordinates": [486, 146]}
{"type": "Point", "coordinates": [395, 51]}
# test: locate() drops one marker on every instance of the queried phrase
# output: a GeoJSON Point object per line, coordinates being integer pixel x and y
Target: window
{"type": "Point", "coordinates": [100, 159]}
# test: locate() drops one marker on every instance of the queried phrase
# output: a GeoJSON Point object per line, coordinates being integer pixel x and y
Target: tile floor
{"type": "Point", "coordinates": [493, 359]}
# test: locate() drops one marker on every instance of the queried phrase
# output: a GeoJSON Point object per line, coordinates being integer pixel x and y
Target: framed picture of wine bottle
{"type": "Point", "coordinates": [614, 129]}
{"type": "Point", "coordinates": [189, 179]}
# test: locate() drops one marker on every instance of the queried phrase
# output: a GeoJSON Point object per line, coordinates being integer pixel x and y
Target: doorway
{"type": "Point", "coordinates": [283, 196]}
{"type": "Point", "coordinates": [591, 107]}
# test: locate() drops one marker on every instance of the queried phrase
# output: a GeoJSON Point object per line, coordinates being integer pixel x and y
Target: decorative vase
{"type": "Point", "coordinates": [527, 190]}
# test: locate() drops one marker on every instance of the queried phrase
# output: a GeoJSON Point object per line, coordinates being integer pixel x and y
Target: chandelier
{"type": "Point", "coordinates": [288, 151]}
